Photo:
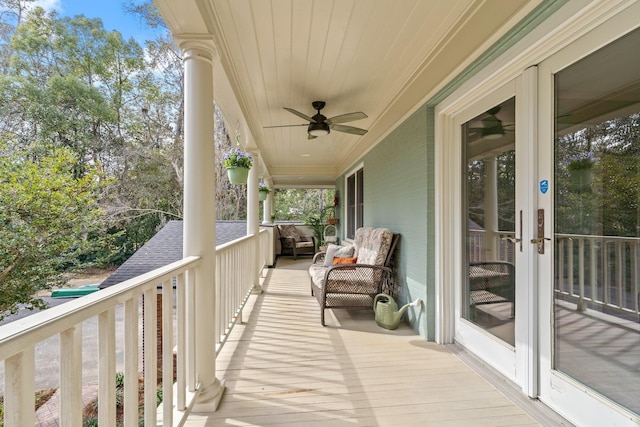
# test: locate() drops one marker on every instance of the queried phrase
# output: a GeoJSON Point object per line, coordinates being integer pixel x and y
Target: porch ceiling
{"type": "Point", "coordinates": [381, 57]}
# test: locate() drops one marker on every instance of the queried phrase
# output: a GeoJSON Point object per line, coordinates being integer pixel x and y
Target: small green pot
{"type": "Point", "coordinates": [262, 195]}
{"type": "Point", "coordinates": [238, 175]}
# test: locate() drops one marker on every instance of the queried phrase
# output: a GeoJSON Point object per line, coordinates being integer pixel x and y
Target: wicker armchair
{"type": "Point", "coordinates": [354, 286]}
{"type": "Point", "coordinates": [292, 243]}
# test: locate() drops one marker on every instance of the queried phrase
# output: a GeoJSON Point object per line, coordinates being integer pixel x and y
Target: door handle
{"type": "Point", "coordinates": [512, 239]}
{"type": "Point", "coordinates": [515, 240]}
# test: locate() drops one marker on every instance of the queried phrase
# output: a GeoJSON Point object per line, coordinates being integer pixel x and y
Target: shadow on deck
{"type": "Point", "coordinates": [282, 367]}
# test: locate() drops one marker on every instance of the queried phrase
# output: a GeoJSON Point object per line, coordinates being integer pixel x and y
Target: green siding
{"type": "Point", "coordinates": [398, 194]}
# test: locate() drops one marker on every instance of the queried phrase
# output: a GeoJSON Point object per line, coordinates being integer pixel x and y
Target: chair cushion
{"type": "Point", "coordinates": [289, 231]}
{"type": "Point", "coordinates": [337, 251]}
{"type": "Point", "coordinates": [305, 244]}
{"type": "Point", "coordinates": [317, 271]}
{"type": "Point", "coordinates": [372, 245]}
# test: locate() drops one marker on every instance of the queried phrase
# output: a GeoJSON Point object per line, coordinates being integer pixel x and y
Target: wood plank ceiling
{"type": "Point", "coordinates": [381, 57]}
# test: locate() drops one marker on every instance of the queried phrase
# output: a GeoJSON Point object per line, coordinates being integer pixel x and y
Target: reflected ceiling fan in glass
{"type": "Point", "coordinates": [492, 127]}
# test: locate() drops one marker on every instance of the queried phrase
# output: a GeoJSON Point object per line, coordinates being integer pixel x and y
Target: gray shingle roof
{"type": "Point", "coordinates": [166, 247]}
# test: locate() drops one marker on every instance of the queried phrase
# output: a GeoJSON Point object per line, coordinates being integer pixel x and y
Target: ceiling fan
{"type": "Point", "coordinates": [319, 125]}
{"type": "Point", "coordinates": [492, 127]}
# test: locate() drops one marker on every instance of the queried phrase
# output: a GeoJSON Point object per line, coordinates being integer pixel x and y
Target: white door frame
{"type": "Point", "coordinates": [519, 362]}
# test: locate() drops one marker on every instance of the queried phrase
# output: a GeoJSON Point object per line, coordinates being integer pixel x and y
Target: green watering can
{"type": "Point", "coordinates": [386, 309]}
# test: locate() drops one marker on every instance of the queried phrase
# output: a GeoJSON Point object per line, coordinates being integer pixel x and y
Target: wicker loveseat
{"type": "Point", "coordinates": [354, 285]}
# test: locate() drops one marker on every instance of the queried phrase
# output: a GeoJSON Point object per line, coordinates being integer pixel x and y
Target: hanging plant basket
{"type": "Point", "coordinates": [581, 178]}
{"type": "Point", "coordinates": [238, 164]}
{"type": "Point", "coordinates": [263, 190]}
{"type": "Point", "coordinates": [238, 175]}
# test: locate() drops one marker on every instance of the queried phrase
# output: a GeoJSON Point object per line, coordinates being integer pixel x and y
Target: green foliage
{"type": "Point", "coordinates": [264, 188]}
{"type": "Point", "coordinates": [238, 159]}
{"type": "Point", "coordinates": [46, 214]}
{"type": "Point", "coordinates": [70, 83]}
{"type": "Point", "coordinates": [583, 161]}
{"type": "Point", "coordinates": [609, 205]}
{"type": "Point", "coordinates": [317, 222]}
{"type": "Point", "coordinates": [295, 204]}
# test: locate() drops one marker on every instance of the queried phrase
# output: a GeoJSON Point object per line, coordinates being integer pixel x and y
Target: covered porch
{"type": "Point", "coordinates": [281, 367]}
{"type": "Point", "coordinates": [248, 345]}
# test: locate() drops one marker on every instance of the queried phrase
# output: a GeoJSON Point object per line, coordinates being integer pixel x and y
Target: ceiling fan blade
{"type": "Point", "coordinates": [349, 129]}
{"type": "Point", "coordinates": [349, 117]}
{"type": "Point", "coordinates": [284, 126]}
{"type": "Point", "coordinates": [299, 114]}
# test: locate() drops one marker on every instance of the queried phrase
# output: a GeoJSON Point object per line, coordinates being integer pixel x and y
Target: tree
{"type": "Point", "coordinates": [46, 214]}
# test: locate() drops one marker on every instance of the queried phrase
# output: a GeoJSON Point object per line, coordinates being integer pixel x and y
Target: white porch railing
{"type": "Point", "coordinates": [18, 340]}
{"type": "Point", "coordinates": [603, 270]}
{"type": "Point", "coordinates": [478, 242]}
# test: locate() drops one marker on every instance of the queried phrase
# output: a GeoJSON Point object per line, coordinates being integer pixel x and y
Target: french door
{"type": "Point", "coordinates": [540, 223]}
{"type": "Point", "coordinates": [495, 283]}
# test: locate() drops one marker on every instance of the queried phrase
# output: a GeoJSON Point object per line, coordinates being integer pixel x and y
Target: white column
{"type": "Point", "coordinates": [491, 208]}
{"type": "Point", "coordinates": [200, 212]}
{"type": "Point", "coordinates": [268, 206]}
{"type": "Point", "coordinates": [253, 219]}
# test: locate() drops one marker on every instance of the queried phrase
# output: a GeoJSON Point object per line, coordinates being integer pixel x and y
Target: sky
{"type": "Point", "coordinates": [110, 11]}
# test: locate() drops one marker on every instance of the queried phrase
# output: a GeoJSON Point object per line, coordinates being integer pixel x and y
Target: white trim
{"type": "Point", "coordinates": [573, 20]}
{"type": "Point", "coordinates": [345, 208]}
{"type": "Point", "coordinates": [526, 201]}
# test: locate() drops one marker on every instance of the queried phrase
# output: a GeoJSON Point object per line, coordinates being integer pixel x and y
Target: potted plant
{"type": "Point", "coordinates": [238, 164]}
{"type": "Point", "coordinates": [581, 170]}
{"type": "Point", "coordinates": [263, 191]}
{"type": "Point", "coordinates": [332, 220]}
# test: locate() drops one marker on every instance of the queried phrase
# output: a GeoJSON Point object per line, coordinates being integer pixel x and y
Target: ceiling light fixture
{"type": "Point", "coordinates": [492, 126]}
{"type": "Point", "coordinates": [318, 129]}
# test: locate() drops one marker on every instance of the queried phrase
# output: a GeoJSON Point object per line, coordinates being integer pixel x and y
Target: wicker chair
{"type": "Point", "coordinates": [354, 286]}
{"type": "Point", "coordinates": [294, 244]}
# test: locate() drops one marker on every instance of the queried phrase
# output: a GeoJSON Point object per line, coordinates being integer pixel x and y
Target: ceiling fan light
{"type": "Point", "coordinates": [318, 129]}
{"type": "Point", "coordinates": [492, 126]}
{"type": "Point", "coordinates": [494, 132]}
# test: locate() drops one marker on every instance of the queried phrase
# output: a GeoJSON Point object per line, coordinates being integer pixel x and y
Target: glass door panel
{"type": "Point", "coordinates": [597, 222]}
{"type": "Point", "coordinates": [488, 297]}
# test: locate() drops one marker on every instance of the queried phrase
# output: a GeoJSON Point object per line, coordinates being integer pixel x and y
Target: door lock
{"type": "Point", "coordinates": [540, 239]}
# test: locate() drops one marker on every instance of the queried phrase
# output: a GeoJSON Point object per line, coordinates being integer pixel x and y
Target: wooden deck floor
{"type": "Point", "coordinates": [282, 368]}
